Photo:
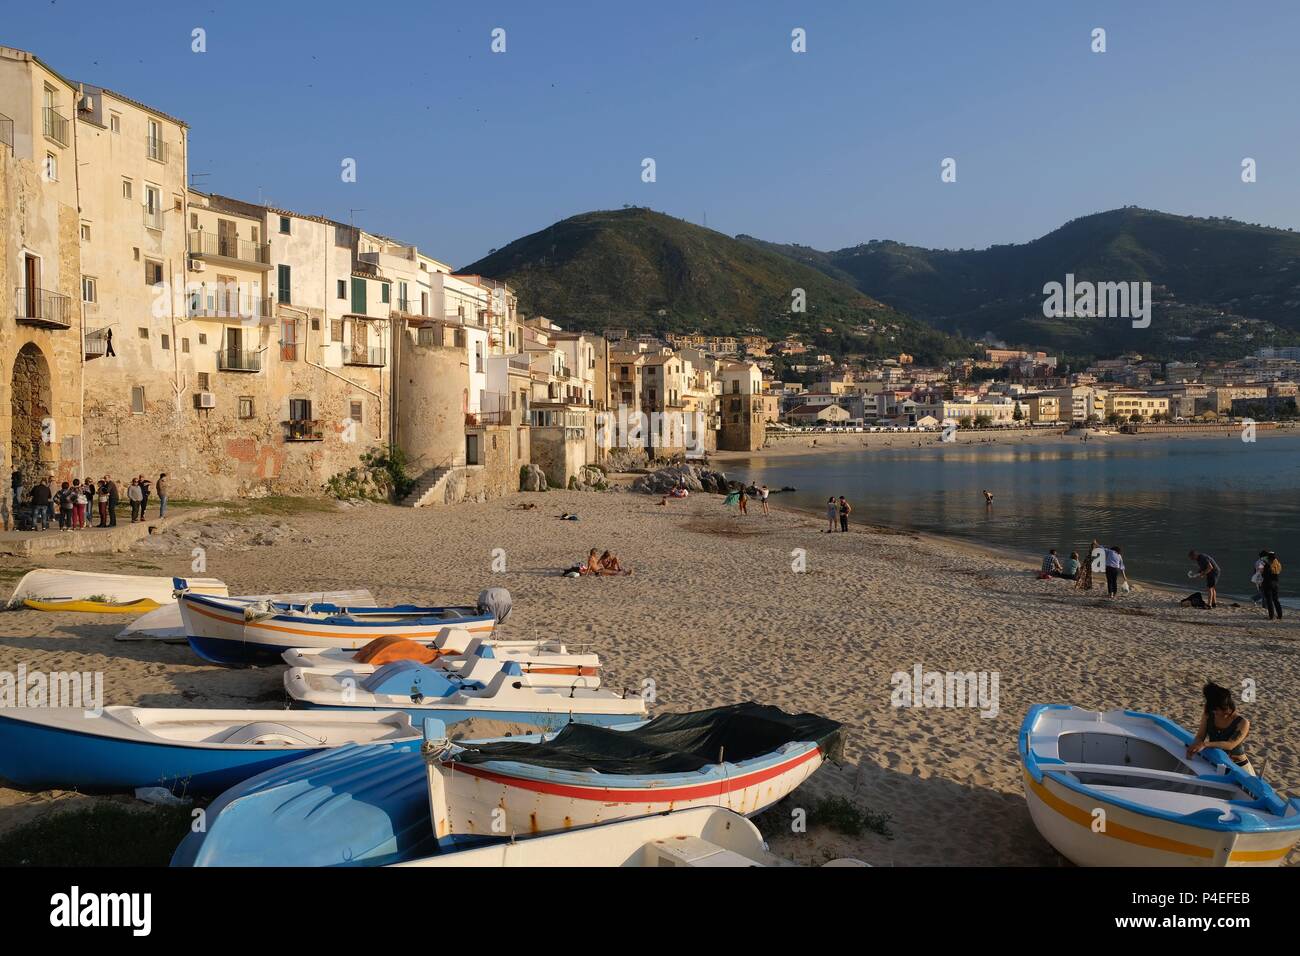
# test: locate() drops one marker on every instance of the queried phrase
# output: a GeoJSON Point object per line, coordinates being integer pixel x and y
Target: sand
{"type": "Point", "coordinates": [715, 614]}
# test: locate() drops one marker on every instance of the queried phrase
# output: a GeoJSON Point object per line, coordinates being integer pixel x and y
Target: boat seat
{"type": "Point", "coordinates": [268, 732]}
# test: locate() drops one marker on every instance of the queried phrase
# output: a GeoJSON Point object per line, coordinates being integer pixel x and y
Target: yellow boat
{"type": "Point", "coordinates": [142, 606]}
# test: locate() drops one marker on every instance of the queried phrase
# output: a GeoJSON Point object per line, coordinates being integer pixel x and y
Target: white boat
{"type": "Point", "coordinates": [546, 663]}
{"type": "Point", "coordinates": [189, 750]}
{"type": "Point", "coordinates": [744, 757]}
{"type": "Point", "coordinates": [700, 837]}
{"type": "Point", "coordinates": [165, 624]}
{"type": "Point", "coordinates": [55, 586]}
{"type": "Point", "coordinates": [231, 632]}
{"type": "Point", "coordinates": [425, 691]}
{"type": "Point", "coordinates": [1116, 788]}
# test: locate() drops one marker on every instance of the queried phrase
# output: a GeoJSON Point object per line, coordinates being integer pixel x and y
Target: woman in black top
{"type": "Point", "coordinates": [1223, 727]}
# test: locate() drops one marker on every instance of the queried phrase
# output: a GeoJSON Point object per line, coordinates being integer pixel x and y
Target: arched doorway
{"type": "Point", "coordinates": [30, 411]}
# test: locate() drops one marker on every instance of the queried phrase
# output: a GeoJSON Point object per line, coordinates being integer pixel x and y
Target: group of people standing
{"type": "Point", "coordinates": [73, 505]}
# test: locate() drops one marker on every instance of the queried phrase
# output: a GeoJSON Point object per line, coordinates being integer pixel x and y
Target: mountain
{"type": "Point", "coordinates": [1220, 287]}
{"type": "Point", "coordinates": [642, 270]}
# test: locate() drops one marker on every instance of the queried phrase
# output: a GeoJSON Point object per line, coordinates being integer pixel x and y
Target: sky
{"type": "Point", "coordinates": [459, 149]}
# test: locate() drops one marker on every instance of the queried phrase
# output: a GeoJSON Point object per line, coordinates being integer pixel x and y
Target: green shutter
{"type": "Point", "coordinates": [282, 275]}
{"type": "Point", "coordinates": [383, 292]}
{"type": "Point", "coordinates": [358, 296]}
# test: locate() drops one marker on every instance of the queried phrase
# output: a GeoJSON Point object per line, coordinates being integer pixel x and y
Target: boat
{"type": "Point", "coordinates": [699, 837]}
{"type": "Point", "coordinates": [363, 805]}
{"type": "Point", "coordinates": [1116, 788]}
{"type": "Point", "coordinates": [164, 624]}
{"type": "Point", "coordinates": [546, 663]}
{"type": "Point", "coordinates": [62, 590]}
{"type": "Point", "coordinates": [744, 757]}
{"type": "Point", "coordinates": [226, 631]}
{"type": "Point", "coordinates": [138, 606]}
{"type": "Point", "coordinates": [185, 750]}
{"type": "Point", "coordinates": [425, 691]}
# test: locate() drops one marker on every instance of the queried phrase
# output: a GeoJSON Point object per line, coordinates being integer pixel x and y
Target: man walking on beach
{"type": "Point", "coordinates": [1208, 568]}
{"type": "Point", "coordinates": [1114, 568]}
{"type": "Point", "coordinates": [845, 510]}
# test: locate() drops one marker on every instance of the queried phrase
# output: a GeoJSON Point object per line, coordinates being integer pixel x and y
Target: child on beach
{"type": "Point", "coordinates": [762, 494]}
{"type": "Point", "coordinates": [1222, 727]}
{"type": "Point", "coordinates": [832, 512]}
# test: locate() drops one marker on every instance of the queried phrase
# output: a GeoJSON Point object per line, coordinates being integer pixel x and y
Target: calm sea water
{"type": "Point", "coordinates": [1156, 498]}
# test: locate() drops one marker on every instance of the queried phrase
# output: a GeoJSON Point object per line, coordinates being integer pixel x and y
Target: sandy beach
{"type": "Point", "coordinates": [715, 613]}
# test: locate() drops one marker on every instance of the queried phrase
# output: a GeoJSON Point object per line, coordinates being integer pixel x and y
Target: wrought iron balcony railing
{"type": "Point", "coordinates": [43, 308]}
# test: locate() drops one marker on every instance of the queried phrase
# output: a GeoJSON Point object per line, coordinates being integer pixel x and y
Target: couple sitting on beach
{"type": "Point", "coordinates": [606, 565]}
{"type": "Point", "coordinates": [1052, 567]}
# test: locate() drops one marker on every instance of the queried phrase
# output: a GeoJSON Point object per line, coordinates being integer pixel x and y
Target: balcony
{"type": "Point", "coordinates": [304, 429]}
{"type": "Point", "coordinates": [208, 245]}
{"type": "Point", "coordinates": [153, 218]}
{"type": "Point", "coordinates": [96, 343]}
{"type": "Point", "coordinates": [239, 360]}
{"type": "Point", "coordinates": [42, 308]}
{"type": "Point", "coordinates": [229, 309]}
{"type": "Point", "coordinates": [367, 357]}
{"type": "Point", "coordinates": [500, 417]}
{"type": "Point", "coordinates": [155, 148]}
{"type": "Point", "coordinates": [54, 125]}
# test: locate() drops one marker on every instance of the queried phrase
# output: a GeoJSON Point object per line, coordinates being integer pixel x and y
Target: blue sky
{"type": "Point", "coordinates": [461, 150]}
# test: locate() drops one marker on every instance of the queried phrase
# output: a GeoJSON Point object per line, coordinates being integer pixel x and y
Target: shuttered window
{"type": "Point", "coordinates": [282, 277]}
{"type": "Point", "coordinates": [358, 295]}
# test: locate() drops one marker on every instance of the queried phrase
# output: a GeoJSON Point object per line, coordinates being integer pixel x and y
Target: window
{"type": "Point", "coordinates": [358, 295]}
{"type": "Point", "coordinates": [336, 330]}
{"type": "Point", "coordinates": [203, 381]}
{"type": "Point", "coordinates": [51, 167]}
{"type": "Point", "coordinates": [343, 288]}
{"type": "Point", "coordinates": [245, 406]}
{"type": "Point", "coordinates": [289, 340]}
{"type": "Point", "coordinates": [300, 409]}
{"type": "Point", "coordinates": [153, 272]}
{"type": "Point", "coordinates": [185, 346]}
{"type": "Point", "coordinates": [143, 332]}
{"type": "Point", "coordinates": [85, 232]}
{"type": "Point", "coordinates": [115, 122]}
{"type": "Point", "coordinates": [128, 189]}
{"type": "Point", "coordinates": [88, 290]}
{"type": "Point", "coordinates": [166, 341]}
{"type": "Point", "coordinates": [203, 338]}
{"type": "Point", "coordinates": [137, 399]}
{"type": "Point", "coordinates": [153, 207]}
{"type": "Point", "coordinates": [154, 143]}
{"type": "Point", "coordinates": [315, 325]}
{"type": "Point", "coordinates": [194, 220]}
{"type": "Point", "coordinates": [282, 283]}
{"type": "Point", "coordinates": [355, 412]}
{"type": "Point", "coordinates": [424, 305]}
{"type": "Point", "coordinates": [383, 292]}
{"type": "Point", "coordinates": [284, 225]}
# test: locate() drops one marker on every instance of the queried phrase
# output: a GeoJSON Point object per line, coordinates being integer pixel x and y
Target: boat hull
{"type": "Point", "coordinates": [1066, 819]}
{"type": "Point", "coordinates": [547, 720]}
{"type": "Point", "coordinates": [493, 801]}
{"type": "Point", "coordinates": [219, 632]}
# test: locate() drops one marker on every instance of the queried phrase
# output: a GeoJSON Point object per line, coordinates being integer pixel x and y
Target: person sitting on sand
{"type": "Point", "coordinates": [609, 564]}
{"type": "Point", "coordinates": [1223, 727]}
{"type": "Point", "coordinates": [1072, 567]}
{"type": "Point", "coordinates": [593, 565]}
{"type": "Point", "coordinates": [1052, 564]}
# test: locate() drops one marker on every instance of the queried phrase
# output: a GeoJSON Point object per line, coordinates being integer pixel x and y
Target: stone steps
{"type": "Point", "coordinates": [427, 487]}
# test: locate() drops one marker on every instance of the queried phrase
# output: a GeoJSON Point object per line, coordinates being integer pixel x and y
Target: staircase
{"type": "Point", "coordinates": [429, 487]}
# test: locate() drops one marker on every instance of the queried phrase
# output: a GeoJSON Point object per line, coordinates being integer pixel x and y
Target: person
{"type": "Point", "coordinates": [1072, 567]}
{"type": "Point", "coordinates": [101, 501]}
{"type": "Point", "coordinates": [1208, 568]}
{"type": "Point", "coordinates": [609, 564]}
{"type": "Point", "coordinates": [78, 505]}
{"type": "Point", "coordinates": [134, 495]}
{"type": "Point", "coordinates": [1270, 585]}
{"type": "Point", "coordinates": [988, 498]}
{"type": "Point", "coordinates": [743, 501]}
{"type": "Point", "coordinates": [65, 502]}
{"type": "Point", "coordinates": [1084, 581]}
{"type": "Point", "coordinates": [592, 565]}
{"type": "Point", "coordinates": [108, 345]}
{"type": "Point", "coordinates": [161, 488]}
{"type": "Point", "coordinates": [1052, 564]}
{"type": "Point", "coordinates": [144, 496]}
{"type": "Point", "coordinates": [832, 512]}
{"type": "Point", "coordinates": [1114, 569]}
{"type": "Point", "coordinates": [845, 510]}
{"type": "Point", "coordinates": [16, 485]}
{"type": "Point", "coordinates": [41, 507]}
{"type": "Point", "coordinates": [1223, 727]}
{"type": "Point", "coordinates": [112, 501]}
{"type": "Point", "coordinates": [5, 516]}
{"type": "Point", "coordinates": [762, 494]}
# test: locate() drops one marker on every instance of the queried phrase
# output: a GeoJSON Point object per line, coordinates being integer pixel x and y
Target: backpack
{"type": "Point", "coordinates": [1275, 567]}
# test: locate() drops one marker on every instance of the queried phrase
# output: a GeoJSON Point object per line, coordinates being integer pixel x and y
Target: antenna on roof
{"type": "Point", "coordinates": [194, 176]}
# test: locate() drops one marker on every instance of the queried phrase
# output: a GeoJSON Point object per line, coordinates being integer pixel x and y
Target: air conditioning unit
{"type": "Point", "coordinates": [88, 104]}
{"type": "Point", "coordinates": [197, 265]}
{"type": "Point", "coordinates": [205, 400]}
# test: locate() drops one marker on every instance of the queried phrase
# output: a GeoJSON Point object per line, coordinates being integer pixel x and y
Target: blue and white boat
{"type": "Point", "coordinates": [423, 691]}
{"type": "Point", "coordinates": [185, 750]}
{"type": "Point", "coordinates": [1116, 788]}
{"type": "Point", "coordinates": [233, 631]}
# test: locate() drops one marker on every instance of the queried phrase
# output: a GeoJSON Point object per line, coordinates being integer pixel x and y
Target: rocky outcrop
{"type": "Point", "coordinates": [532, 478]}
{"type": "Point", "coordinates": [693, 477]}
